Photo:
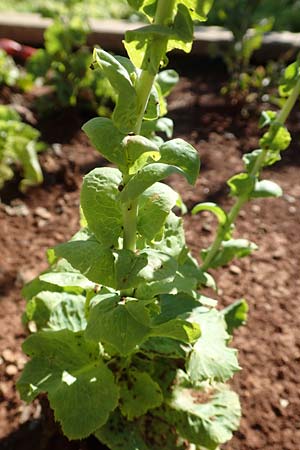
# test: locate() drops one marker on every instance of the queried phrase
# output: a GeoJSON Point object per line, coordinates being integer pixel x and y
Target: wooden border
{"type": "Point", "coordinates": [29, 29]}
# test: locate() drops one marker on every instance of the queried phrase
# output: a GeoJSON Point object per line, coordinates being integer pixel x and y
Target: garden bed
{"type": "Point", "coordinates": [269, 345]}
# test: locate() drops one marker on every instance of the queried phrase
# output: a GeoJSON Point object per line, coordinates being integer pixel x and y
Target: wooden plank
{"type": "Point", "coordinates": [29, 28]}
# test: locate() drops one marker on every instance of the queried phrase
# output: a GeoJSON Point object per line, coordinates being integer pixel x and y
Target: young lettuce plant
{"type": "Point", "coordinates": [248, 185]}
{"type": "Point", "coordinates": [18, 148]}
{"type": "Point", "coordinates": [127, 348]}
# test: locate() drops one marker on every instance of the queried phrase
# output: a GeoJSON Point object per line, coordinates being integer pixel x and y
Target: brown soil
{"type": "Point", "coordinates": [269, 346]}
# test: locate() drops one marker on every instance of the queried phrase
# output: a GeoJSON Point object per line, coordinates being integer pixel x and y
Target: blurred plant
{"type": "Point", "coordinates": [18, 149]}
{"type": "Point", "coordinates": [239, 16]}
{"type": "Point", "coordinates": [94, 8]}
{"type": "Point", "coordinates": [64, 66]}
{"type": "Point", "coordinates": [9, 71]}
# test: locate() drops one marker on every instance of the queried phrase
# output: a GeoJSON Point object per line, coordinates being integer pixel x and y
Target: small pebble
{"type": "Point", "coordinates": [235, 270]}
{"type": "Point", "coordinates": [206, 227]}
{"type": "Point", "coordinates": [292, 209]}
{"type": "Point", "coordinates": [20, 210]}
{"type": "Point", "coordinates": [11, 370]}
{"type": "Point", "coordinates": [42, 212]}
{"type": "Point", "coordinates": [284, 403]}
{"type": "Point", "coordinates": [8, 355]}
{"type": "Point", "coordinates": [4, 389]}
{"type": "Point", "coordinates": [289, 198]}
{"type": "Point", "coordinates": [255, 208]}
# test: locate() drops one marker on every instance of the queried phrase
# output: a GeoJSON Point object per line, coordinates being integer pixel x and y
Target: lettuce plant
{"type": "Point", "coordinates": [124, 342]}
{"type": "Point", "coordinates": [18, 149]}
{"type": "Point", "coordinates": [63, 66]}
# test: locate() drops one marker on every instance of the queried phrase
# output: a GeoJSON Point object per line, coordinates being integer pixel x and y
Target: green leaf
{"type": "Point", "coordinates": [161, 125]}
{"type": "Point", "coordinates": [172, 241]}
{"type": "Point", "coordinates": [128, 268]}
{"type": "Point", "coordinates": [198, 9]}
{"type": "Point", "coordinates": [88, 256]}
{"type": "Point", "coordinates": [147, 265]}
{"type": "Point", "coordinates": [8, 113]}
{"type": "Point", "coordinates": [106, 138]}
{"type": "Point", "coordinates": [167, 79]}
{"type": "Point", "coordinates": [145, 178]}
{"type": "Point", "coordinates": [233, 248]}
{"type": "Point", "coordinates": [141, 41]}
{"type": "Point", "coordinates": [101, 205]}
{"type": "Point", "coordinates": [266, 188]}
{"type": "Point", "coordinates": [123, 324]}
{"type": "Point", "coordinates": [206, 424]}
{"type": "Point", "coordinates": [125, 113]}
{"type": "Point", "coordinates": [165, 347]}
{"type": "Point", "coordinates": [119, 434]}
{"type": "Point", "coordinates": [178, 329]}
{"type": "Point", "coordinates": [179, 153]}
{"type": "Point", "coordinates": [138, 394]}
{"type": "Point", "coordinates": [235, 315]}
{"type": "Point", "coordinates": [139, 151]}
{"type": "Point", "coordinates": [241, 184]}
{"type": "Point", "coordinates": [183, 30]}
{"type": "Point", "coordinates": [69, 369]}
{"type": "Point", "coordinates": [67, 280]}
{"type": "Point", "coordinates": [267, 118]}
{"type": "Point", "coordinates": [211, 359]}
{"type": "Point", "coordinates": [276, 139]}
{"type": "Point", "coordinates": [155, 205]}
{"type": "Point", "coordinates": [57, 311]}
{"type": "Point", "coordinates": [214, 208]}
{"type": "Point", "coordinates": [290, 78]}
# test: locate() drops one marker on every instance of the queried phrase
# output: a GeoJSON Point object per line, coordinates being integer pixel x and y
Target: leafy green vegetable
{"type": "Point", "coordinates": [18, 148]}
{"type": "Point", "coordinates": [128, 348]}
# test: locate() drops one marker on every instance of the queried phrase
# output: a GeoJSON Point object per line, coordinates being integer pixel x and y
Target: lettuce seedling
{"type": "Point", "coordinates": [127, 346]}
{"type": "Point", "coordinates": [18, 149]}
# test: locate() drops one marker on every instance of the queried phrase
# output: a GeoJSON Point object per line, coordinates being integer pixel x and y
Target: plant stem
{"type": "Point", "coordinates": [144, 84]}
{"type": "Point", "coordinates": [281, 117]}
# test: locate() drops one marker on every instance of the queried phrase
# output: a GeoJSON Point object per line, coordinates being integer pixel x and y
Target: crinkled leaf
{"type": "Point", "coordinates": [206, 424]}
{"type": "Point", "coordinates": [138, 394]}
{"type": "Point", "coordinates": [277, 139]}
{"type": "Point", "coordinates": [233, 248]}
{"type": "Point", "coordinates": [57, 311]}
{"type": "Point", "coordinates": [88, 256]}
{"type": "Point", "coordinates": [235, 315]}
{"type": "Point", "coordinates": [214, 208]}
{"type": "Point", "coordinates": [138, 151]}
{"type": "Point", "coordinates": [119, 434]}
{"type": "Point", "coordinates": [101, 206]}
{"type": "Point", "coordinates": [81, 389]}
{"type": "Point", "coordinates": [67, 280]}
{"type": "Point", "coordinates": [121, 324]}
{"type": "Point", "coordinates": [145, 178]}
{"type": "Point", "coordinates": [106, 138]}
{"type": "Point", "coordinates": [147, 265]}
{"type": "Point", "coordinates": [266, 188]}
{"type": "Point", "coordinates": [178, 329]}
{"type": "Point", "coordinates": [211, 359]}
{"type": "Point", "coordinates": [183, 30]}
{"type": "Point", "coordinates": [125, 113]}
{"type": "Point", "coordinates": [166, 347]}
{"type": "Point", "coordinates": [155, 205]}
{"type": "Point", "coordinates": [241, 184]}
{"type": "Point", "coordinates": [172, 240]}
{"type": "Point", "coordinates": [183, 155]}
